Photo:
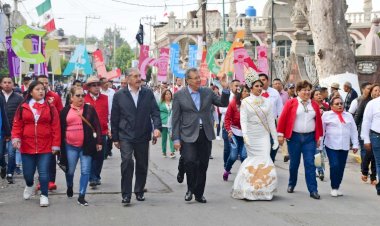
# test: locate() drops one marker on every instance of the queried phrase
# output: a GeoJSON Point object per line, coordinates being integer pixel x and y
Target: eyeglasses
{"type": "Point", "coordinates": [80, 95]}
{"type": "Point", "coordinates": [340, 103]}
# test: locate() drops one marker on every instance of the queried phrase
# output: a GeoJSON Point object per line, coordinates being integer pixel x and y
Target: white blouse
{"type": "Point", "coordinates": [305, 120]}
{"type": "Point", "coordinates": [337, 135]}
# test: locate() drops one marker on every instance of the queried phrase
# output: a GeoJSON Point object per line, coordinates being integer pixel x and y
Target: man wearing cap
{"type": "Point", "coordinates": [135, 114]}
{"type": "Point", "coordinates": [291, 91]}
{"type": "Point", "coordinates": [351, 95]}
{"type": "Point", "coordinates": [334, 87]}
{"type": "Point", "coordinates": [100, 103]}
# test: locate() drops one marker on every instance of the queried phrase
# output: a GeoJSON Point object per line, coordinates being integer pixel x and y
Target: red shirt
{"type": "Point", "coordinates": [232, 117]}
{"type": "Point", "coordinates": [288, 117]}
{"type": "Point", "coordinates": [101, 108]}
{"type": "Point", "coordinates": [55, 100]}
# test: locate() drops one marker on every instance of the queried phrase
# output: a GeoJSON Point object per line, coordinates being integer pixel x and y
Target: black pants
{"type": "Point", "coordinates": [196, 156]}
{"type": "Point", "coordinates": [141, 153]}
{"type": "Point", "coordinates": [52, 168]}
{"type": "Point", "coordinates": [109, 148]}
{"type": "Point", "coordinates": [369, 159]}
{"type": "Point", "coordinates": [273, 152]}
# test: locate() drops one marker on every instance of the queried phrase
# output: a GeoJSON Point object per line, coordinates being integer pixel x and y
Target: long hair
{"type": "Point", "coordinates": [30, 89]}
{"type": "Point", "coordinates": [238, 96]}
{"type": "Point", "coordinates": [164, 94]}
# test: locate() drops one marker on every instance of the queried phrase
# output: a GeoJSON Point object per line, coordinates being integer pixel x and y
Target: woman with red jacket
{"type": "Point", "coordinates": [301, 124]}
{"type": "Point", "coordinates": [233, 127]}
{"type": "Point", "coordinates": [36, 132]}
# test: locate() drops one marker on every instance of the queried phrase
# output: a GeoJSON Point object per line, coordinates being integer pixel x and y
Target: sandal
{"type": "Point", "coordinates": [364, 178]}
{"type": "Point", "coordinates": [374, 182]}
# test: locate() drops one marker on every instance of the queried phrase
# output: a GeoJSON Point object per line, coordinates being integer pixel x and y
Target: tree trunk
{"type": "Point", "coordinates": [333, 54]}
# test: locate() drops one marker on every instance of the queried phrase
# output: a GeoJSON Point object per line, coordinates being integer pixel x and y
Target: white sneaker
{"type": "Point", "coordinates": [218, 138]}
{"type": "Point", "coordinates": [334, 193]}
{"type": "Point", "coordinates": [340, 193]}
{"type": "Point", "coordinates": [44, 201]}
{"type": "Point", "coordinates": [28, 192]}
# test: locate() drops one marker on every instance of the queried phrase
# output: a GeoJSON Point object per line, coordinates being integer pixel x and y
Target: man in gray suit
{"type": "Point", "coordinates": [133, 110]}
{"type": "Point", "coordinates": [193, 129]}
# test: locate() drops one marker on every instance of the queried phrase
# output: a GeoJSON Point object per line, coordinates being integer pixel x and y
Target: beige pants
{"type": "Point", "coordinates": [284, 149]}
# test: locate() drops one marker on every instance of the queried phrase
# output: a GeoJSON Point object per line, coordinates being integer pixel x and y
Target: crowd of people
{"type": "Point", "coordinates": [254, 120]}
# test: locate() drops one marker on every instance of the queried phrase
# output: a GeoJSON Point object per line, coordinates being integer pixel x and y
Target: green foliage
{"type": "Point", "coordinates": [124, 57]}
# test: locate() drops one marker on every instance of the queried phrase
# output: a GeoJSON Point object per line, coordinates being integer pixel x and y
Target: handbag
{"type": "Point", "coordinates": [62, 162]}
{"type": "Point", "coordinates": [318, 160]}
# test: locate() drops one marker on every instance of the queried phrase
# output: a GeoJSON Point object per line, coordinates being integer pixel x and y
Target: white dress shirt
{"type": "Point", "coordinates": [337, 135]}
{"type": "Point", "coordinates": [371, 119]}
{"type": "Point", "coordinates": [135, 95]}
{"type": "Point", "coordinates": [276, 101]}
{"type": "Point", "coordinates": [305, 121]}
{"type": "Point", "coordinates": [353, 106]}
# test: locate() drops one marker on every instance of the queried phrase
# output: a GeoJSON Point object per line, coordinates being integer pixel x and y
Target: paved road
{"type": "Point", "coordinates": [165, 203]}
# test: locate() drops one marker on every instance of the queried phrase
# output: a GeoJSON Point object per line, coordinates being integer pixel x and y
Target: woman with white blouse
{"type": "Point", "coordinates": [340, 129]}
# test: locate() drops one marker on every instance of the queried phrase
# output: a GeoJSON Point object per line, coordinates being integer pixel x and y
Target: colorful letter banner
{"type": "Point", "coordinates": [174, 61]}
{"type": "Point", "coordinates": [262, 59]}
{"type": "Point", "coordinates": [203, 71]}
{"type": "Point", "coordinates": [162, 64]}
{"type": "Point", "coordinates": [18, 37]}
{"type": "Point", "coordinates": [193, 51]}
{"type": "Point", "coordinates": [241, 61]}
{"type": "Point", "coordinates": [212, 51]}
{"type": "Point", "coordinates": [13, 60]}
{"type": "Point", "coordinates": [79, 61]}
{"type": "Point", "coordinates": [52, 55]}
{"type": "Point", "coordinates": [228, 63]}
{"type": "Point", "coordinates": [144, 60]}
{"type": "Point", "coordinates": [101, 67]}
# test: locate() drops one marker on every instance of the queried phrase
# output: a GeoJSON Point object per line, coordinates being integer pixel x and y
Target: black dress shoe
{"type": "Point", "coordinates": [201, 199]}
{"type": "Point", "coordinates": [188, 196]}
{"type": "Point", "coordinates": [286, 158]}
{"type": "Point", "coordinates": [3, 172]}
{"type": "Point", "coordinates": [290, 189]}
{"type": "Point", "coordinates": [140, 197]}
{"type": "Point", "coordinates": [315, 195]}
{"type": "Point", "coordinates": [378, 192]}
{"type": "Point", "coordinates": [180, 177]}
{"type": "Point", "coordinates": [126, 201]}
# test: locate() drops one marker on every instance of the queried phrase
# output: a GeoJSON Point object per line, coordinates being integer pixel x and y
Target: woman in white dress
{"type": "Point", "coordinates": [257, 177]}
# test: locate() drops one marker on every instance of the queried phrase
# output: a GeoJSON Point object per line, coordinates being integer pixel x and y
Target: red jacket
{"type": "Point", "coordinates": [101, 108]}
{"type": "Point", "coordinates": [56, 100]}
{"type": "Point", "coordinates": [232, 117]}
{"type": "Point", "coordinates": [37, 137]}
{"type": "Point", "coordinates": [288, 118]}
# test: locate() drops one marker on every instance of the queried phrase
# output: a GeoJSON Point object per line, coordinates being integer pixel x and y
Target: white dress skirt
{"type": "Point", "coordinates": [257, 177]}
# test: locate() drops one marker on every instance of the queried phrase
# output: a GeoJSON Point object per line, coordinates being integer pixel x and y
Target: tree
{"type": "Point", "coordinates": [108, 38]}
{"type": "Point", "coordinates": [124, 57]}
{"type": "Point", "coordinates": [331, 41]}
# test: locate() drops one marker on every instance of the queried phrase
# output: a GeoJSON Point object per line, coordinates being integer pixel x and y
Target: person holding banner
{"type": "Point", "coordinates": [193, 129]}
{"type": "Point", "coordinates": [55, 100]}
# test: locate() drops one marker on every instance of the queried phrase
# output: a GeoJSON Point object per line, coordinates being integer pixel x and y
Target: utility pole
{"type": "Point", "coordinates": [204, 23]}
{"type": "Point", "coordinates": [85, 28]}
{"type": "Point", "coordinates": [150, 18]}
{"type": "Point", "coordinates": [114, 42]}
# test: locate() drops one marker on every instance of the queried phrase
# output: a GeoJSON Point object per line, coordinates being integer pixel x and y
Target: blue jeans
{"type": "Point", "coordinates": [3, 164]}
{"type": "Point", "coordinates": [97, 161]}
{"type": "Point", "coordinates": [41, 162]}
{"type": "Point", "coordinates": [73, 154]}
{"type": "Point", "coordinates": [302, 143]}
{"type": "Point", "coordinates": [226, 152]}
{"type": "Point", "coordinates": [236, 149]}
{"type": "Point", "coordinates": [11, 158]}
{"type": "Point", "coordinates": [375, 141]}
{"type": "Point", "coordinates": [323, 156]}
{"type": "Point", "coordinates": [337, 161]}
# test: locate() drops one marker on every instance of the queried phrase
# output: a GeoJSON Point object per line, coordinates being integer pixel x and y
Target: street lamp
{"type": "Point", "coordinates": [272, 35]}
{"type": "Point", "coordinates": [7, 12]}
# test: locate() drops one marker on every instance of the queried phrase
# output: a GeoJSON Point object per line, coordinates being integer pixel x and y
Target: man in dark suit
{"type": "Point", "coordinates": [193, 129]}
{"type": "Point", "coordinates": [133, 110]}
{"type": "Point", "coordinates": [351, 95]}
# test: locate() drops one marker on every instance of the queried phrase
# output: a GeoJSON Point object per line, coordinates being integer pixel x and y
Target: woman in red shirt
{"type": "Point", "coordinates": [233, 127]}
{"type": "Point", "coordinates": [301, 124]}
{"type": "Point", "coordinates": [36, 132]}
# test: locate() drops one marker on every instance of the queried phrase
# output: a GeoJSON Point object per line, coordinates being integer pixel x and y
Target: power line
{"type": "Point", "coordinates": [170, 5]}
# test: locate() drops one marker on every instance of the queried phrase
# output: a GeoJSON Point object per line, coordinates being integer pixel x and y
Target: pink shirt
{"type": "Point", "coordinates": [74, 129]}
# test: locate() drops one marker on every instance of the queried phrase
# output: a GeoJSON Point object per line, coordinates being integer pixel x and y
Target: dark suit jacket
{"type": "Point", "coordinates": [134, 124]}
{"type": "Point", "coordinates": [352, 95]}
{"type": "Point", "coordinates": [185, 116]}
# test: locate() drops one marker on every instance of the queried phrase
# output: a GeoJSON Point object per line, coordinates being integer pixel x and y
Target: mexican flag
{"type": "Point", "coordinates": [44, 11]}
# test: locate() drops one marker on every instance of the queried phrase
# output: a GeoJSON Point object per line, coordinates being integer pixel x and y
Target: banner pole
{"type": "Point", "coordinates": [39, 51]}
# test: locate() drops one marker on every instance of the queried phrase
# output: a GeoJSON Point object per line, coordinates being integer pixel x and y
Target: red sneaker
{"type": "Point", "coordinates": [52, 186]}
